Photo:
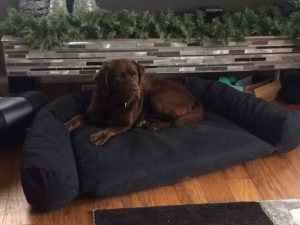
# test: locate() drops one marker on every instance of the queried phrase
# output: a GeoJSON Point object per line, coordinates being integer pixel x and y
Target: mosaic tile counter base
{"type": "Point", "coordinates": [83, 58]}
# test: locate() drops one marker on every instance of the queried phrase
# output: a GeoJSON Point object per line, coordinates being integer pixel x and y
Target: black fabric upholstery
{"type": "Point", "coordinates": [58, 166]}
{"type": "Point", "coordinates": [70, 105]}
{"type": "Point", "coordinates": [48, 171]}
{"type": "Point", "coordinates": [141, 159]}
{"type": "Point", "coordinates": [272, 123]}
{"type": "Point", "coordinates": [197, 86]}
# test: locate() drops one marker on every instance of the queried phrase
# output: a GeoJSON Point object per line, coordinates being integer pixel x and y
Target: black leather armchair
{"type": "Point", "coordinates": [18, 110]}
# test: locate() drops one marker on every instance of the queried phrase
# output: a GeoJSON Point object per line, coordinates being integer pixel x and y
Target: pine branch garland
{"type": "Point", "coordinates": [59, 27]}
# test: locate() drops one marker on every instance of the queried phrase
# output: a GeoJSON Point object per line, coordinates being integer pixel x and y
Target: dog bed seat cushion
{"type": "Point", "coordinates": [57, 166]}
{"type": "Point", "coordinates": [140, 159]}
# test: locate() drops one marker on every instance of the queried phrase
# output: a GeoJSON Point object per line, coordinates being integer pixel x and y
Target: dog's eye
{"type": "Point", "coordinates": [119, 77]}
{"type": "Point", "coordinates": [132, 73]}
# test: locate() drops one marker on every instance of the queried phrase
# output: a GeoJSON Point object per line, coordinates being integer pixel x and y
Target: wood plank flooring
{"type": "Point", "coordinates": [273, 177]}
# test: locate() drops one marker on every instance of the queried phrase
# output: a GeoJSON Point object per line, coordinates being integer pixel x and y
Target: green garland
{"type": "Point", "coordinates": [295, 3]}
{"type": "Point", "coordinates": [54, 30]}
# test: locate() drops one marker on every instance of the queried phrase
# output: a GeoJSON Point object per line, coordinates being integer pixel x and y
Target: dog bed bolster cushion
{"type": "Point", "coordinates": [268, 121]}
{"type": "Point", "coordinates": [196, 85]}
{"type": "Point", "coordinates": [70, 105]}
{"type": "Point", "coordinates": [48, 171]}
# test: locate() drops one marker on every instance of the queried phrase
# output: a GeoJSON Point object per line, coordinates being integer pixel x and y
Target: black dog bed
{"type": "Point", "coordinates": [57, 166]}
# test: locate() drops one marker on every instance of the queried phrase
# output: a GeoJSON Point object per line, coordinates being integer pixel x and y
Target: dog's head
{"type": "Point", "coordinates": [120, 81]}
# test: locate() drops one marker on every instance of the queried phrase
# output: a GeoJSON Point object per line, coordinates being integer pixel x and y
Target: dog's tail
{"type": "Point", "coordinates": [195, 116]}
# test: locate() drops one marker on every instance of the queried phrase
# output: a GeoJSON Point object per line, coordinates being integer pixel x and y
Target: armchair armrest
{"type": "Point", "coordinates": [272, 123]}
{"type": "Point", "coordinates": [18, 110]}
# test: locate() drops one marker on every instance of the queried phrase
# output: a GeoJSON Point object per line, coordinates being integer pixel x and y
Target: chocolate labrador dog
{"type": "Point", "coordinates": [124, 97]}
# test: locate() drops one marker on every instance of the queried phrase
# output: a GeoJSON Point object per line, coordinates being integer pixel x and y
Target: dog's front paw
{"type": "Point", "coordinates": [153, 127]}
{"type": "Point", "coordinates": [99, 138]}
{"type": "Point", "coordinates": [157, 125]}
{"type": "Point", "coordinates": [75, 122]}
{"type": "Point", "coordinates": [142, 124]}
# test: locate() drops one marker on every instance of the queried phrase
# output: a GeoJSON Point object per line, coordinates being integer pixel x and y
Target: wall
{"type": "Point", "coordinates": [178, 5]}
{"type": "Point", "coordinates": [186, 6]}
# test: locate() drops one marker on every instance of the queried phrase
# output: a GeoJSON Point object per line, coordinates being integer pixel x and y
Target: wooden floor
{"type": "Point", "coordinates": [273, 177]}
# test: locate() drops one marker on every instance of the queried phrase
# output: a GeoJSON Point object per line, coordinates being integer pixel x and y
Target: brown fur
{"type": "Point", "coordinates": [125, 96]}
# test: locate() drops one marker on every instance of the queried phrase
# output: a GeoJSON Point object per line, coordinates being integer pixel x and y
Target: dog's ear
{"type": "Point", "coordinates": [141, 71]}
{"type": "Point", "coordinates": [101, 81]}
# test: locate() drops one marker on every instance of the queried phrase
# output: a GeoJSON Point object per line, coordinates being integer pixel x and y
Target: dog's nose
{"type": "Point", "coordinates": [125, 105]}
